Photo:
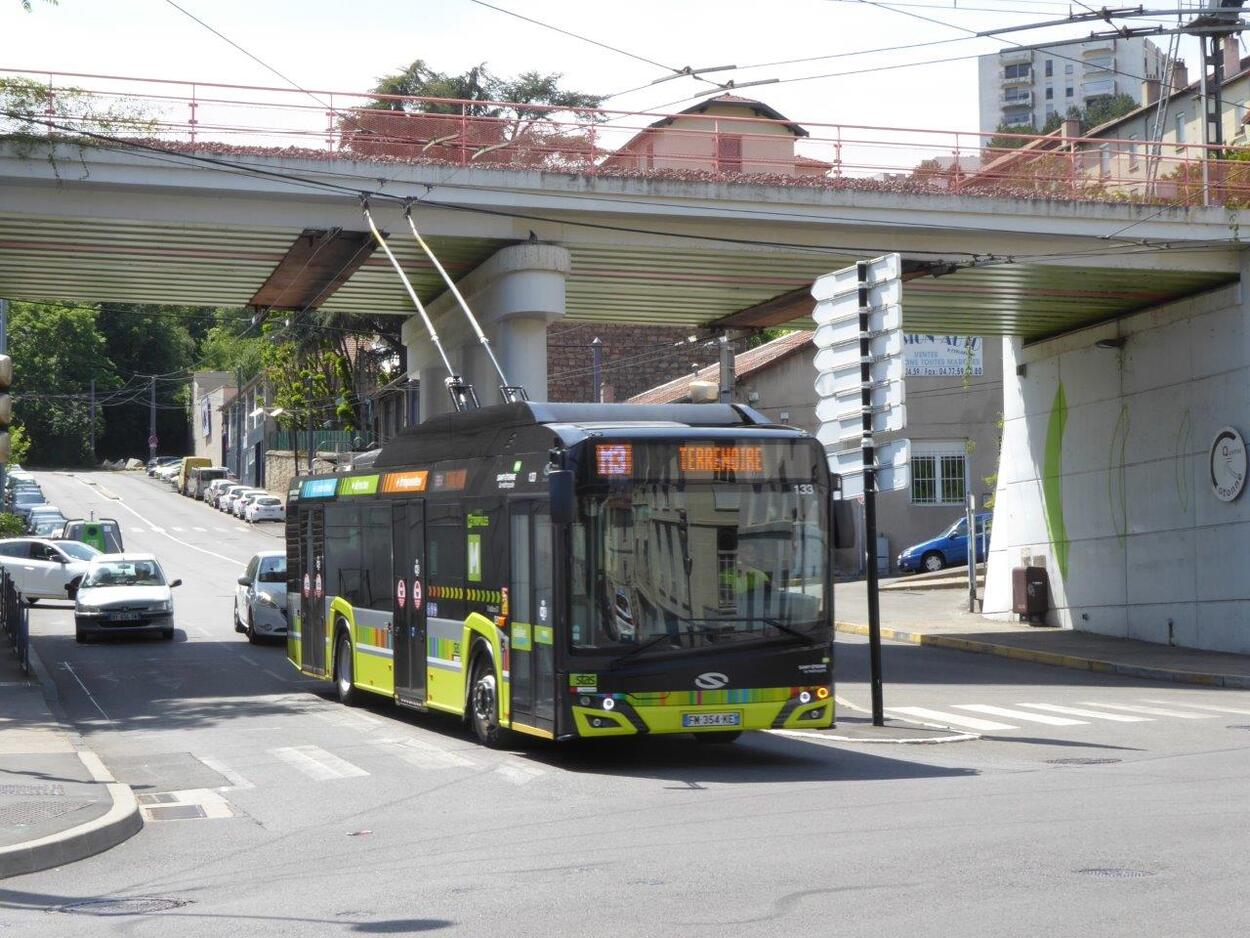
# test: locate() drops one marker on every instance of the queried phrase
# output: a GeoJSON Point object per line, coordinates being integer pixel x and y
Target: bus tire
{"type": "Point", "coordinates": [484, 703]}
{"type": "Point", "coordinates": [724, 738]}
{"type": "Point", "coordinates": [348, 695]}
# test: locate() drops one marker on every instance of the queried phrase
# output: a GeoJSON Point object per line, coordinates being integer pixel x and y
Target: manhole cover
{"type": "Point", "coordinates": [25, 813]}
{"type": "Point", "coordinates": [1081, 761]}
{"type": "Point", "coordinates": [175, 812]}
{"type": "Point", "coordinates": [133, 905]}
{"type": "Point", "coordinates": [1114, 872]}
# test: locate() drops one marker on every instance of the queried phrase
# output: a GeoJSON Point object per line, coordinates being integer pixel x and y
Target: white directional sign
{"type": "Point", "coordinates": [847, 427]}
{"type": "Point", "coordinates": [845, 381]}
{"type": "Point", "coordinates": [881, 272]}
{"type": "Point", "coordinates": [841, 331]}
{"type": "Point", "coordinates": [893, 468]}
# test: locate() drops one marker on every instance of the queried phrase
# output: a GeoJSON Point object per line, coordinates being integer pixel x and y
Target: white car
{"type": "Point", "coordinates": [45, 569]}
{"type": "Point", "coordinates": [123, 594]}
{"type": "Point", "coordinates": [215, 489]}
{"type": "Point", "coordinates": [243, 499]}
{"type": "Point", "coordinates": [226, 500]}
{"type": "Point", "coordinates": [260, 598]}
{"type": "Point", "coordinates": [265, 508]}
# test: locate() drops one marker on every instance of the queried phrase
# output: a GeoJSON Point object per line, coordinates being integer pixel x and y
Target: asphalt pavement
{"type": "Point", "coordinates": [1085, 804]}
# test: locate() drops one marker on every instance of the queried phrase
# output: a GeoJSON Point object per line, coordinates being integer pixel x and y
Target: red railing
{"type": "Point", "coordinates": [726, 141]}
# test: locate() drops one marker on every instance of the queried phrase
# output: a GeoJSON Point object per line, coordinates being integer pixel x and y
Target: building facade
{"type": "Point", "coordinates": [209, 392]}
{"type": "Point", "coordinates": [954, 412]}
{"type": "Point", "coordinates": [1024, 87]}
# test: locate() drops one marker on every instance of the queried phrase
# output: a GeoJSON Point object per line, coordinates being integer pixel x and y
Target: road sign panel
{"type": "Point", "coordinates": [892, 464]}
{"type": "Point", "coordinates": [837, 332]}
{"type": "Point", "coordinates": [879, 346]}
{"type": "Point", "coordinates": [880, 270]}
{"type": "Point", "coordinates": [847, 428]}
{"type": "Point", "coordinates": [891, 479]}
{"type": "Point", "coordinates": [841, 307]}
{"type": "Point", "coordinates": [838, 381]}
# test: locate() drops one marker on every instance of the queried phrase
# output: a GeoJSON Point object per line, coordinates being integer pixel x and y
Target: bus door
{"type": "Point", "coordinates": [313, 591]}
{"type": "Point", "coordinates": [531, 613]}
{"type": "Point", "coordinates": [408, 530]}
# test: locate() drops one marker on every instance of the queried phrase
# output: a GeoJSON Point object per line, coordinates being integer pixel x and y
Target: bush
{"type": "Point", "coordinates": [11, 525]}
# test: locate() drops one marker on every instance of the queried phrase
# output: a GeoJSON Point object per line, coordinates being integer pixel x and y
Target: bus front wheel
{"type": "Point", "coordinates": [484, 703]}
{"type": "Point", "coordinates": [348, 695]}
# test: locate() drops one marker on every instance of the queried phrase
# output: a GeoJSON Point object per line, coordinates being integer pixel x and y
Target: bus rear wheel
{"type": "Point", "coordinates": [484, 704]}
{"type": "Point", "coordinates": [347, 693]}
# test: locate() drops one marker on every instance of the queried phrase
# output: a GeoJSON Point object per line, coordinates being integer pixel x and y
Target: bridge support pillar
{"type": "Point", "coordinates": [515, 294]}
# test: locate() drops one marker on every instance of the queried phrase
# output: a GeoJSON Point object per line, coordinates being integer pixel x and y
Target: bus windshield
{"type": "Point", "coordinates": [663, 566]}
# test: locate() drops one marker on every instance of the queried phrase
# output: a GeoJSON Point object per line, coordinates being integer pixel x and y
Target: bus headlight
{"type": "Point", "coordinates": [805, 697]}
{"type": "Point", "coordinates": [609, 703]}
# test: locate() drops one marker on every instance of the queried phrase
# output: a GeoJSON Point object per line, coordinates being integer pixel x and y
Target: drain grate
{"type": "Point", "coordinates": [175, 812]}
{"type": "Point", "coordinates": [1115, 872]}
{"type": "Point", "coordinates": [1079, 760]}
{"type": "Point", "coordinates": [130, 905]}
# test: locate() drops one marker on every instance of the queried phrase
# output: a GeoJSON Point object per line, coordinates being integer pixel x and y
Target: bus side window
{"type": "Point", "coordinates": [446, 553]}
{"type": "Point", "coordinates": [343, 558]}
{"type": "Point", "coordinates": [376, 559]}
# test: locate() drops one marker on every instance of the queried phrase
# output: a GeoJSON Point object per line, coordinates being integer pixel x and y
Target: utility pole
{"type": "Point", "coordinates": [91, 420]}
{"type": "Point", "coordinates": [596, 357]}
{"type": "Point", "coordinates": [726, 371]}
{"type": "Point", "coordinates": [152, 441]}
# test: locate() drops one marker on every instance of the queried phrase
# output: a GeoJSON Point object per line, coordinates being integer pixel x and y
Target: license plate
{"type": "Point", "coordinates": [124, 616]}
{"type": "Point", "coordinates": [734, 718]}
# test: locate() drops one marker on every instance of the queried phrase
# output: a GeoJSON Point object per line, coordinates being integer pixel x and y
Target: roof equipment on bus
{"type": "Point", "coordinates": [509, 393]}
{"type": "Point", "coordinates": [463, 396]}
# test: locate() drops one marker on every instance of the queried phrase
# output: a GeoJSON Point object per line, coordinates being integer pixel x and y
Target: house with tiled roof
{"type": "Point", "coordinates": [953, 390]}
{"type": "Point", "coordinates": [724, 134]}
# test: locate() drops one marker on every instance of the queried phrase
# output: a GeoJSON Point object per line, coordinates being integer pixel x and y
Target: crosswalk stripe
{"type": "Point", "coordinates": [1152, 711]}
{"type": "Point", "coordinates": [175, 529]}
{"type": "Point", "coordinates": [236, 780]}
{"type": "Point", "coordinates": [956, 718]}
{"type": "Point", "coordinates": [1020, 715]}
{"type": "Point", "coordinates": [1177, 703]}
{"type": "Point", "coordinates": [518, 774]}
{"type": "Point", "coordinates": [422, 755]}
{"type": "Point", "coordinates": [222, 530]}
{"type": "Point", "coordinates": [203, 530]}
{"type": "Point", "coordinates": [1092, 714]}
{"type": "Point", "coordinates": [316, 763]}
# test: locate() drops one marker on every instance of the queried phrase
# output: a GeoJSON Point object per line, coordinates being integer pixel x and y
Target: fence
{"type": "Point", "coordinates": [730, 139]}
{"type": "Point", "coordinates": [321, 440]}
{"type": "Point", "coordinates": [14, 620]}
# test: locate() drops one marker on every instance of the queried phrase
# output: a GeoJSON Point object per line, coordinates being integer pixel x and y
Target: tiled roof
{"type": "Point", "coordinates": [745, 365]}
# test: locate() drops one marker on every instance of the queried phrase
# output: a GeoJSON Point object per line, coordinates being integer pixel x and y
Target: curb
{"type": "Point", "coordinates": [121, 822]}
{"type": "Point", "coordinates": [1073, 662]}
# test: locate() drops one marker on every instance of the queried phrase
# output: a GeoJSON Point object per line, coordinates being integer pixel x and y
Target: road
{"type": "Point", "coordinates": [274, 811]}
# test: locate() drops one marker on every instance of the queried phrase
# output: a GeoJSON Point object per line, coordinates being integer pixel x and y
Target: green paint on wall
{"type": "Point", "coordinates": [1052, 480]}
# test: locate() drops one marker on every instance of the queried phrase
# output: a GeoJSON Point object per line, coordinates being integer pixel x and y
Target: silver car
{"type": "Point", "coordinates": [124, 594]}
{"type": "Point", "coordinates": [260, 599]}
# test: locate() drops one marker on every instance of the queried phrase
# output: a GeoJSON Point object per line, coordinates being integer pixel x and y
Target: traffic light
{"type": "Point", "coordinates": [6, 406]}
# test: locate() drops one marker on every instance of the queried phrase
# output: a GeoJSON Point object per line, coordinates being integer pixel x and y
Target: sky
{"type": "Point", "coordinates": [332, 45]}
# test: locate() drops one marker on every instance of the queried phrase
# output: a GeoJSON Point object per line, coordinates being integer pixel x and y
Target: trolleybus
{"type": "Point", "coordinates": [574, 570]}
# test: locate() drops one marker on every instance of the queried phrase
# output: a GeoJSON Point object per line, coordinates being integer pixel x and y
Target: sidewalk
{"type": "Point", "coordinates": [940, 618]}
{"type": "Point", "coordinates": [58, 803]}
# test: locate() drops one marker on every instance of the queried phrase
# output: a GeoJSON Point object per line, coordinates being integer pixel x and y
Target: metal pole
{"type": "Point", "coordinates": [596, 357]}
{"type": "Point", "coordinates": [4, 350]}
{"type": "Point", "coordinates": [91, 421]}
{"type": "Point", "coordinates": [870, 503]}
{"type": "Point", "coordinates": [726, 371]}
{"type": "Point", "coordinates": [971, 511]}
{"type": "Point", "coordinates": [152, 418]}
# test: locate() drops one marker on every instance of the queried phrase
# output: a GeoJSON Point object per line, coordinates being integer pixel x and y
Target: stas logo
{"type": "Point", "coordinates": [711, 680]}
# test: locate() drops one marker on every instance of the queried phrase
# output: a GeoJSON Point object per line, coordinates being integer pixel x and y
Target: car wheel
{"type": "Point", "coordinates": [933, 562]}
{"type": "Point", "coordinates": [251, 629]}
{"type": "Point", "coordinates": [167, 634]}
{"type": "Point", "coordinates": [729, 737]}
{"type": "Point", "coordinates": [238, 623]}
{"type": "Point", "coordinates": [72, 589]}
{"type": "Point", "coordinates": [484, 704]}
{"type": "Point", "coordinates": [348, 694]}
{"type": "Point", "coordinates": [81, 637]}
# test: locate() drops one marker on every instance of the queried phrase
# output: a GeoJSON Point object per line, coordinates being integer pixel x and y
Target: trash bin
{"type": "Point", "coordinates": [1030, 593]}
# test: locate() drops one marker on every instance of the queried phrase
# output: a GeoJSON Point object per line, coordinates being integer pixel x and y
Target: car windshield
{"type": "Point", "coordinates": [78, 550]}
{"type": "Point", "coordinates": [125, 573]}
{"type": "Point", "coordinates": [272, 570]}
{"type": "Point", "coordinates": [686, 565]}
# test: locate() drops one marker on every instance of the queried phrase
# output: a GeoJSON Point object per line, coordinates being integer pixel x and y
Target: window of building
{"type": "Point", "coordinates": [1067, 68]}
{"type": "Point", "coordinates": [1132, 152]}
{"type": "Point", "coordinates": [1022, 70]}
{"type": "Point", "coordinates": [1067, 93]}
{"type": "Point", "coordinates": [1104, 159]}
{"type": "Point", "coordinates": [939, 473]}
{"type": "Point", "coordinates": [1050, 68]}
{"type": "Point", "coordinates": [1180, 127]}
{"type": "Point", "coordinates": [1050, 94]}
{"type": "Point", "coordinates": [729, 153]}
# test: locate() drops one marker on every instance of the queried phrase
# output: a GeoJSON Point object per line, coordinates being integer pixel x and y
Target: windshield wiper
{"type": "Point", "coordinates": [789, 630]}
{"type": "Point", "coordinates": [638, 649]}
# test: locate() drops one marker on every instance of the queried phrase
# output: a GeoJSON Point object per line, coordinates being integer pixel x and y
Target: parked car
{"type": "Point", "coordinates": [26, 499]}
{"type": "Point", "coordinates": [48, 517]}
{"type": "Point", "coordinates": [215, 489]}
{"type": "Point", "coordinates": [948, 549]}
{"type": "Point", "coordinates": [42, 568]}
{"type": "Point", "coordinates": [160, 462]}
{"type": "Point", "coordinates": [201, 478]}
{"type": "Point", "coordinates": [243, 500]}
{"type": "Point", "coordinates": [167, 472]}
{"type": "Point", "coordinates": [185, 479]}
{"type": "Point", "coordinates": [48, 527]}
{"type": "Point", "coordinates": [265, 508]}
{"type": "Point", "coordinates": [235, 497]}
{"type": "Point", "coordinates": [226, 499]}
{"type": "Point", "coordinates": [260, 599]}
{"type": "Point", "coordinates": [104, 534]}
{"type": "Point", "coordinates": [124, 594]}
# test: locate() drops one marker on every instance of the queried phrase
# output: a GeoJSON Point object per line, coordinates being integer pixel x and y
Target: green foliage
{"type": "Point", "coordinates": [56, 350]}
{"type": "Point", "coordinates": [28, 105]}
{"type": "Point", "coordinates": [19, 444]}
{"type": "Point", "coordinates": [478, 84]}
{"type": "Point", "coordinates": [11, 525]}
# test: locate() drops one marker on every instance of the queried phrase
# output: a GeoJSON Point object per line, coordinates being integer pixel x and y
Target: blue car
{"type": "Point", "coordinates": [948, 549]}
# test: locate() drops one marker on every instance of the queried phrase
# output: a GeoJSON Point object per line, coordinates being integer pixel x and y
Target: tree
{"type": "Point", "coordinates": [19, 444]}
{"type": "Point", "coordinates": [56, 349]}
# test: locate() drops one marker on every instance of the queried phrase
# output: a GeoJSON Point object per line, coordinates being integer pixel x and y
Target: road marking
{"type": "Point", "coordinates": [1020, 715]}
{"type": "Point", "coordinates": [201, 530]}
{"type": "Point", "coordinates": [1215, 709]}
{"type": "Point", "coordinates": [422, 755]}
{"type": "Point", "coordinates": [341, 716]}
{"type": "Point", "coordinates": [66, 665]}
{"type": "Point", "coordinates": [1152, 711]}
{"type": "Point", "coordinates": [519, 774]}
{"type": "Point", "coordinates": [176, 529]}
{"type": "Point", "coordinates": [222, 530]}
{"type": "Point", "coordinates": [236, 780]}
{"type": "Point", "coordinates": [316, 763]}
{"type": "Point", "coordinates": [1093, 714]}
{"type": "Point", "coordinates": [956, 718]}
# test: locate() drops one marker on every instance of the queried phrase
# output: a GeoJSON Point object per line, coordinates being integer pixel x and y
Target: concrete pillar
{"type": "Point", "coordinates": [515, 293]}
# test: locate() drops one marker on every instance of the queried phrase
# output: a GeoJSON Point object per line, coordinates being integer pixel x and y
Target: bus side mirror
{"type": "Point", "coordinates": [843, 524]}
{"type": "Point", "coordinates": [560, 487]}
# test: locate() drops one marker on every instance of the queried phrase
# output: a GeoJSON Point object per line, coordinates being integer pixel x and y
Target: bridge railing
{"type": "Point", "coordinates": [722, 140]}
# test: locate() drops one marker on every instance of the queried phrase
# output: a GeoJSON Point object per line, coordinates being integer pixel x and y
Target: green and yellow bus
{"type": "Point", "coordinates": [574, 570]}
